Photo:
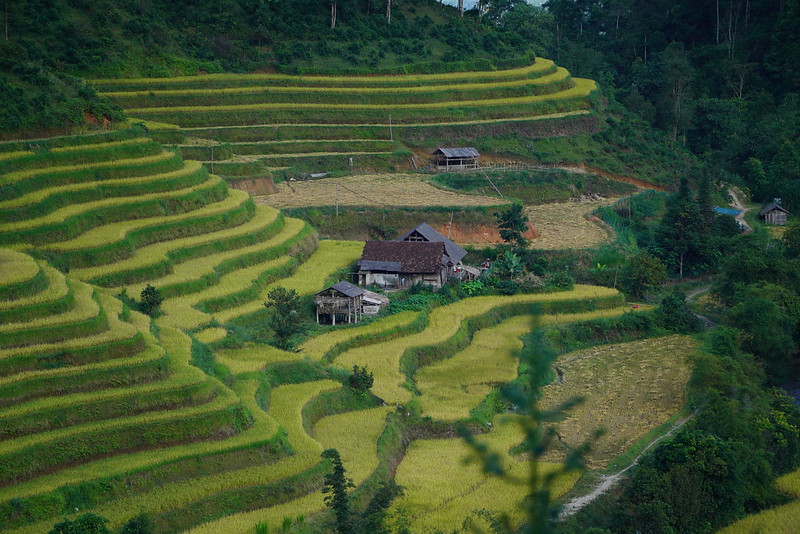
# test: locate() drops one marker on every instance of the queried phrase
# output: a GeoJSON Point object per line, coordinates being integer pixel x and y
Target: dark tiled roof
{"type": "Point", "coordinates": [455, 252]}
{"type": "Point", "coordinates": [348, 289]}
{"type": "Point", "coordinates": [771, 207]}
{"type": "Point", "coordinates": [467, 152]}
{"type": "Point", "coordinates": [413, 256]}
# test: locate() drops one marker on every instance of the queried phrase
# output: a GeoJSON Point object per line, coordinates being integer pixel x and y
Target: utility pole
{"type": "Point", "coordinates": [337, 201]}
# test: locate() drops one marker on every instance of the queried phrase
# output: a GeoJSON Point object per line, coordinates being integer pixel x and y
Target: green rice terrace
{"type": "Point", "coordinates": [111, 411]}
{"type": "Point", "coordinates": [245, 125]}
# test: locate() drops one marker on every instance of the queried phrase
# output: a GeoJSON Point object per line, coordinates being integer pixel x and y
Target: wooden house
{"type": "Point", "coordinates": [401, 264]}
{"type": "Point", "coordinates": [774, 213]}
{"type": "Point", "coordinates": [343, 299]}
{"type": "Point", "coordinates": [424, 232]}
{"type": "Point", "coordinates": [456, 159]}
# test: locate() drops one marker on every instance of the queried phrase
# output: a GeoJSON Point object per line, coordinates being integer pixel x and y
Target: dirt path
{"type": "Point", "coordinates": [584, 169]}
{"type": "Point", "coordinates": [609, 481]}
{"type": "Point", "coordinates": [739, 205]}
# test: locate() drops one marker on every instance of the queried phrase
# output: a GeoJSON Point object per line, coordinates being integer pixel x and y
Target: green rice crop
{"type": "Point", "coordinates": [109, 144]}
{"type": "Point", "coordinates": [69, 140]}
{"type": "Point", "coordinates": [556, 81]}
{"type": "Point", "coordinates": [211, 335]}
{"type": "Point", "coordinates": [263, 431]}
{"type": "Point", "coordinates": [74, 219]}
{"type": "Point", "coordinates": [15, 154]}
{"type": "Point", "coordinates": [182, 311]}
{"type": "Point", "coordinates": [286, 403]}
{"type": "Point", "coordinates": [253, 359]}
{"type": "Point", "coordinates": [185, 384]}
{"type": "Point", "coordinates": [582, 88]}
{"type": "Point", "coordinates": [452, 387]}
{"type": "Point", "coordinates": [119, 230]}
{"type": "Point", "coordinates": [91, 154]}
{"type": "Point", "coordinates": [317, 347]}
{"type": "Point", "coordinates": [151, 262]}
{"type": "Point", "coordinates": [383, 359]}
{"type": "Point", "coordinates": [222, 262]}
{"type": "Point", "coordinates": [111, 242]}
{"type": "Point", "coordinates": [279, 148]}
{"type": "Point", "coordinates": [116, 331]}
{"type": "Point", "coordinates": [440, 490]}
{"type": "Point", "coordinates": [309, 278]}
{"type": "Point", "coordinates": [48, 199]}
{"type": "Point", "coordinates": [181, 490]}
{"type": "Point", "coordinates": [54, 298]}
{"type": "Point", "coordinates": [408, 114]}
{"type": "Point", "coordinates": [15, 269]}
{"type": "Point", "coordinates": [357, 449]}
{"type": "Point", "coordinates": [20, 183]}
{"type": "Point", "coordinates": [85, 318]}
{"type": "Point", "coordinates": [286, 406]}
{"type": "Point", "coordinates": [26, 456]}
{"type": "Point", "coordinates": [559, 73]}
{"type": "Point", "coordinates": [539, 66]}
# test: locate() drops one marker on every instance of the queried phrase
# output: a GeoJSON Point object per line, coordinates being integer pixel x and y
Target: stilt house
{"type": "Point", "coordinates": [343, 299]}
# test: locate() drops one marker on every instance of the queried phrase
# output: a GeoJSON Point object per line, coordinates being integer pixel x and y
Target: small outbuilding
{"type": "Point", "coordinates": [774, 213]}
{"type": "Point", "coordinates": [343, 299]}
{"type": "Point", "coordinates": [456, 159]}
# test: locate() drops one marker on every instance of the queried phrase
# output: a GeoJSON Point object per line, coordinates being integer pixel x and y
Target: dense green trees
{"type": "Point", "coordinates": [285, 320]}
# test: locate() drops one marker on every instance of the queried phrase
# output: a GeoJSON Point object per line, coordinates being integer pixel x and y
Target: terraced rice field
{"type": "Point", "coordinates": [443, 323]}
{"type": "Point", "coordinates": [318, 123]}
{"type": "Point", "coordinates": [104, 411]}
{"type": "Point", "coordinates": [378, 190]}
{"type": "Point", "coordinates": [441, 492]}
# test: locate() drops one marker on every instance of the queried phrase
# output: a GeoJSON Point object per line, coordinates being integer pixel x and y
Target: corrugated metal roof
{"type": "Point", "coordinates": [375, 265]}
{"type": "Point", "coordinates": [466, 152]}
{"type": "Point", "coordinates": [455, 252]}
{"type": "Point", "coordinates": [348, 289]}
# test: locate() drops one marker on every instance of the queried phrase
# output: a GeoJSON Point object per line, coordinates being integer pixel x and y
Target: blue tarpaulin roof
{"type": "Point", "coordinates": [727, 211]}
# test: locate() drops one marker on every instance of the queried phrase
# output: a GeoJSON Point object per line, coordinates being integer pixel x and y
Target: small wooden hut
{"type": "Point", "coordinates": [343, 299]}
{"type": "Point", "coordinates": [456, 159]}
{"type": "Point", "coordinates": [774, 213]}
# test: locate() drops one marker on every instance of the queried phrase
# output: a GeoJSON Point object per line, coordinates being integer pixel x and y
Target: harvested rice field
{"type": "Point", "coordinates": [567, 225]}
{"type": "Point", "coordinates": [628, 389]}
{"type": "Point", "coordinates": [378, 190]}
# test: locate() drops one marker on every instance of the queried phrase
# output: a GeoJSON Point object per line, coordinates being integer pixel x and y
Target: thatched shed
{"type": "Point", "coordinates": [456, 159]}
